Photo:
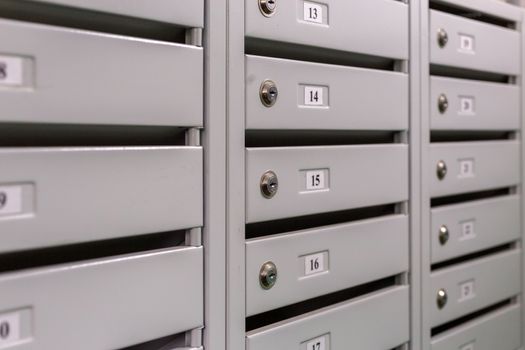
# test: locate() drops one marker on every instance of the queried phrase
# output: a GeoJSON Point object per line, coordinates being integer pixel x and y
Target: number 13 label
{"type": "Point", "coordinates": [317, 344]}
{"type": "Point", "coordinates": [313, 12]}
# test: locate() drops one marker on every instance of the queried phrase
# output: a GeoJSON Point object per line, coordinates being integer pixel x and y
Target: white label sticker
{"type": "Point", "coordinates": [467, 230]}
{"type": "Point", "coordinates": [466, 105]}
{"type": "Point", "coordinates": [10, 200]}
{"type": "Point", "coordinates": [313, 96]}
{"type": "Point", "coordinates": [469, 346]}
{"type": "Point", "coordinates": [11, 71]}
{"type": "Point", "coordinates": [313, 12]}
{"type": "Point", "coordinates": [466, 43]}
{"type": "Point", "coordinates": [315, 180]}
{"type": "Point", "coordinates": [9, 328]}
{"type": "Point", "coordinates": [466, 168]}
{"type": "Point", "coordinates": [466, 290]}
{"type": "Point", "coordinates": [317, 344]}
{"type": "Point", "coordinates": [313, 264]}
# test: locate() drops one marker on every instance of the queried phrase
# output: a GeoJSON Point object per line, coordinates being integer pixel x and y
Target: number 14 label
{"type": "Point", "coordinates": [313, 96]}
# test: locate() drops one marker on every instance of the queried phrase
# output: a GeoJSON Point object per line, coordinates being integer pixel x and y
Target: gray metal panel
{"type": "Point", "coordinates": [384, 24]}
{"type": "Point", "coordinates": [72, 195]}
{"type": "Point", "coordinates": [494, 278]}
{"type": "Point", "coordinates": [488, 105]}
{"type": "Point", "coordinates": [90, 82]}
{"type": "Point", "coordinates": [186, 13]}
{"type": "Point", "coordinates": [498, 330]}
{"type": "Point", "coordinates": [490, 7]}
{"type": "Point", "coordinates": [379, 244]}
{"type": "Point", "coordinates": [352, 179]}
{"type": "Point", "coordinates": [496, 49]}
{"type": "Point", "coordinates": [378, 99]}
{"type": "Point", "coordinates": [376, 321]}
{"type": "Point", "coordinates": [491, 222]}
{"type": "Point", "coordinates": [107, 303]}
{"type": "Point", "coordinates": [495, 164]}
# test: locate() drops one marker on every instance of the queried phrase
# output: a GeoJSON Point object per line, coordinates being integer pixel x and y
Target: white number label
{"type": "Point", "coordinates": [316, 344]}
{"type": "Point", "coordinates": [466, 43]}
{"type": "Point", "coordinates": [313, 12]}
{"type": "Point", "coordinates": [313, 96]}
{"type": "Point", "coordinates": [313, 264]}
{"type": "Point", "coordinates": [9, 328]}
{"type": "Point", "coordinates": [466, 290]}
{"type": "Point", "coordinates": [466, 168]}
{"type": "Point", "coordinates": [467, 230]}
{"type": "Point", "coordinates": [469, 346]}
{"type": "Point", "coordinates": [10, 200]}
{"type": "Point", "coordinates": [315, 180]}
{"type": "Point", "coordinates": [466, 105]}
{"type": "Point", "coordinates": [11, 71]}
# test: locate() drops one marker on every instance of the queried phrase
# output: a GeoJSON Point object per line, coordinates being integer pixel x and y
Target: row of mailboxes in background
{"type": "Point", "coordinates": [89, 238]}
{"type": "Point", "coordinates": [475, 170]}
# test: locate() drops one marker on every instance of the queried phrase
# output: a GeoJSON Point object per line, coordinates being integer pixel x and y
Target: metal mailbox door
{"type": "Point", "coordinates": [318, 96]}
{"type": "Point", "coordinates": [474, 166]}
{"type": "Point", "coordinates": [86, 305]}
{"type": "Point", "coordinates": [322, 179]}
{"type": "Point", "coordinates": [498, 330]}
{"type": "Point", "coordinates": [352, 324]}
{"type": "Point", "coordinates": [474, 45]}
{"type": "Point", "coordinates": [460, 229]}
{"type": "Point", "coordinates": [458, 104]}
{"type": "Point", "coordinates": [320, 261]}
{"type": "Point", "coordinates": [476, 284]}
{"type": "Point", "coordinates": [43, 83]}
{"type": "Point", "coordinates": [333, 24]}
{"type": "Point", "coordinates": [184, 13]}
{"type": "Point", "coordinates": [54, 196]}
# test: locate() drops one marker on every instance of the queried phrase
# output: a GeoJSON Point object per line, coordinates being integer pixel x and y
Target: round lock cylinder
{"type": "Point", "coordinates": [441, 170]}
{"type": "Point", "coordinates": [442, 37]}
{"type": "Point", "coordinates": [269, 184]}
{"type": "Point", "coordinates": [268, 93]}
{"type": "Point", "coordinates": [442, 103]}
{"type": "Point", "coordinates": [267, 7]}
{"type": "Point", "coordinates": [442, 298]}
{"type": "Point", "coordinates": [444, 235]}
{"type": "Point", "coordinates": [268, 275]}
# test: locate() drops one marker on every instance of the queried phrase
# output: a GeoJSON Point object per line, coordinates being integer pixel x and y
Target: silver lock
{"type": "Point", "coordinates": [442, 103]}
{"type": "Point", "coordinates": [269, 184]}
{"type": "Point", "coordinates": [442, 298]}
{"type": "Point", "coordinates": [268, 93]}
{"type": "Point", "coordinates": [267, 7]}
{"type": "Point", "coordinates": [442, 37]}
{"type": "Point", "coordinates": [441, 170]}
{"type": "Point", "coordinates": [268, 275]}
{"type": "Point", "coordinates": [443, 235]}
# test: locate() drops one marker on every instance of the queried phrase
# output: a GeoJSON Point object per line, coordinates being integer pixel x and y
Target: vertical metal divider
{"type": "Point", "coordinates": [424, 166]}
{"type": "Point", "coordinates": [414, 144]}
{"type": "Point", "coordinates": [520, 82]}
{"type": "Point", "coordinates": [214, 142]}
{"type": "Point", "coordinates": [235, 181]}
